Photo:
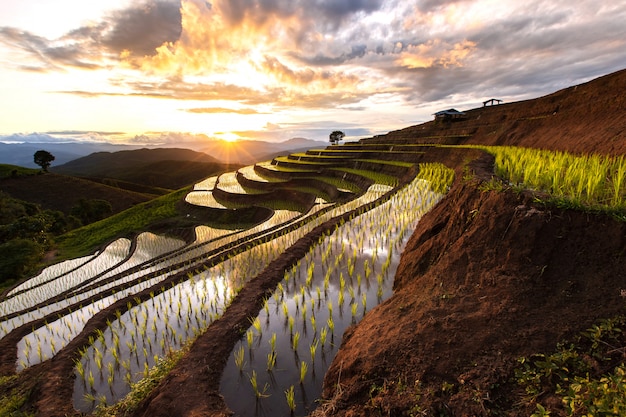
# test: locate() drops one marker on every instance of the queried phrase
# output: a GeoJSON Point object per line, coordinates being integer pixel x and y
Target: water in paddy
{"type": "Point", "coordinates": [347, 274]}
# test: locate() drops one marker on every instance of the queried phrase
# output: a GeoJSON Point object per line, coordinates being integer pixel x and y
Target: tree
{"type": "Point", "coordinates": [43, 159]}
{"type": "Point", "coordinates": [89, 211]}
{"type": "Point", "coordinates": [336, 137]}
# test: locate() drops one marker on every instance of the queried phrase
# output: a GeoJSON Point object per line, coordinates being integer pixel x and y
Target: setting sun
{"type": "Point", "coordinates": [228, 136]}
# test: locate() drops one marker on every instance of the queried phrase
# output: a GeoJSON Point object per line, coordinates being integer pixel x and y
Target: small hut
{"type": "Point", "coordinates": [491, 102]}
{"type": "Point", "coordinates": [450, 115]}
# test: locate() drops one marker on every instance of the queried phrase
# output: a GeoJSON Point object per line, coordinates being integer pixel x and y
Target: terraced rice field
{"type": "Point", "coordinates": [158, 292]}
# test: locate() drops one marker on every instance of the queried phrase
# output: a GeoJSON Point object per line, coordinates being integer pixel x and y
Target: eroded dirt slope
{"type": "Point", "coordinates": [487, 277]}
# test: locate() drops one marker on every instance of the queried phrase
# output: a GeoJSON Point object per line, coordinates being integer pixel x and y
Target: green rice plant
{"type": "Point", "coordinates": [291, 399]}
{"type": "Point", "coordinates": [353, 309]}
{"type": "Point", "coordinates": [291, 324]}
{"type": "Point", "coordinates": [303, 371]}
{"type": "Point", "coordinates": [592, 181]}
{"type": "Point", "coordinates": [271, 361]}
{"type": "Point", "coordinates": [313, 349]}
{"type": "Point", "coordinates": [294, 341]}
{"type": "Point", "coordinates": [256, 323]}
{"type": "Point", "coordinates": [255, 387]}
{"type": "Point", "coordinates": [323, 335]}
{"type": "Point", "coordinates": [272, 342]}
{"type": "Point", "coordinates": [439, 176]}
{"type": "Point", "coordinates": [239, 358]}
{"type": "Point", "coordinates": [331, 324]}
{"type": "Point", "coordinates": [91, 380]}
{"type": "Point", "coordinates": [80, 368]}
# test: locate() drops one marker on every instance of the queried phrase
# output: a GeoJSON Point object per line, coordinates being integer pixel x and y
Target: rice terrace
{"type": "Point", "coordinates": [472, 267]}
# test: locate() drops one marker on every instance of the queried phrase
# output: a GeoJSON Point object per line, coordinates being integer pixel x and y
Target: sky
{"type": "Point", "coordinates": [162, 70]}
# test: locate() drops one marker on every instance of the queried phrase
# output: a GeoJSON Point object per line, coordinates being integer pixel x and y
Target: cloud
{"type": "Point", "coordinates": [45, 54]}
{"type": "Point", "coordinates": [140, 30]}
{"type": "Point", "coordinates": [321, 54]}
{"type": "Point", "coordinates": [220, 110]}
{"type": "Point", "coordinates": [136, 31]}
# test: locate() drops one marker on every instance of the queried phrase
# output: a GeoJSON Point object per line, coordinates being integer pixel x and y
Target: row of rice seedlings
{"type": "Point", "coordinates": [320, 296]}
{"type": "Point", "coordinates": [204, 198]}
{"type": "Point", "coordinates": [283, 217]}
{"type": "Point", "coordinates": [148, 246]}
{"type": "Point", "coordinates": [247, 264]}
{"type": "Point", "coordinates": [439, 176]}
{"type": "Point", "coordinates": [280, 217]}
{"type": "Point", "coordinates": [207, 184]}
{"type": "Point", "coordinates": [43, 343]}
{"type": "Point", "coordinates": [249, 173]}
{"type": "Point", "coordinates": [275, 166]}
{"type": "Point", "coordinates": [112, 255]}
{"type": "Point", "coordinates": [133, 343]}
{"type": "Point", "coordinates": [228, 182]}
{"type": "Point", "coordinates": [377, 177]}
{"type": "Point", "coordinates": [596, 181]}
{"type": "Point", "coordinates": [285, 159]}
{"type": "Point", "coordinates": [51, 272]}
{"type": "Point", "coordinates": [235, 271]}
{"type": "Point", "coordinates": [41, 355]}
{"type": "Point", "coordinates": [56, 335]}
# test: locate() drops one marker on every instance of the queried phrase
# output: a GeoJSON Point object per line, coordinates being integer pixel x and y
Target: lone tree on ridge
{"type": "Point", "coordinates": [43, 159]}
{"type": "Point", "coordinates": [336, 137]}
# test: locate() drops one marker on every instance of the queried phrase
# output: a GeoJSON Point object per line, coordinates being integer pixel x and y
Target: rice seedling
{"type": "Point", "coordinates": [271, 361]}
{"type": "Point", "coordinates": [249, 338]}
{"type": "Point", "coordinates": [323, 335]}
{"type": "Point", "coordinates": [240, 358]}
{"type": "Point", "coordinates": [303, 371]}
{"type": "Point", "coordinates": [331, 324]}
{"type": "Point", "coordinates": [294, 341]}
{"type": "Point", "coordinates": [291, 400]}
{"type": "Point", "coordinates": [256, 323]}
{"type": "Point", "coordinates": [272, 342]}
{"type": "Point", "coordinates": [255, 387]}
{"type": "Point", "coordinates": [313, 349]}
{"type": "Point", "coordinates": [291, 324]}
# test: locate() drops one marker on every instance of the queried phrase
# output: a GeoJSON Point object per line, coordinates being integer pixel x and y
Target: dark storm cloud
{"type": "Point", "coordinates": [139, 29]}
{"type": "Point", "coordinates": [323, 12]}
{"type": "Point", "coordinates": [515, 55]}
{"type": "Point", "coordinates": [142, 29]}
{"type": "Point", "coordinates": [358, 51]}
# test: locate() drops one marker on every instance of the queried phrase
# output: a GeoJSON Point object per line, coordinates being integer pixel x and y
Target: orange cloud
{"type": "Point", "coordinates": [436, 53]}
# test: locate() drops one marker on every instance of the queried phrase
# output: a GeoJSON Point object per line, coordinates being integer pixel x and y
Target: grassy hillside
{"type": "Point", "coordinates": [168, 168]}
{"type": "Point", "coordinates": [62, 192]}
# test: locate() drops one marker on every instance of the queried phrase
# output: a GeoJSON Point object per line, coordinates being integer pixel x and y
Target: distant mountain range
{"type": "Point", "coordinates": [169, 168]}
{"type": "Point", "coordinates": [239, 152]}
{"type": "Point", "coordinates": [250, 151]}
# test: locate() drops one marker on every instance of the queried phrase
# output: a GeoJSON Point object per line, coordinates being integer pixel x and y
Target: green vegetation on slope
{"type": "Point", "coordinates": [575, 373]}
{"type": "Point", "coordinates": [7, 170]}
{"type": "Point", "coordinates": [377, 177]}
{"type": "Point", "coordinates": [26, 232]}
{"type": "Point", "coordinates": [586, 182]}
